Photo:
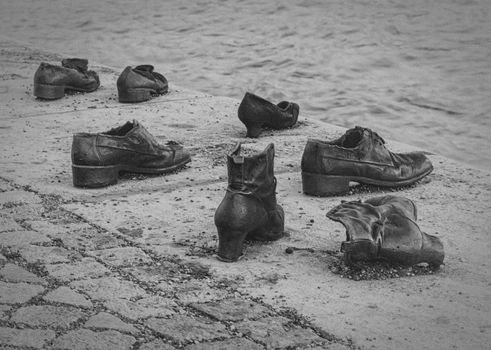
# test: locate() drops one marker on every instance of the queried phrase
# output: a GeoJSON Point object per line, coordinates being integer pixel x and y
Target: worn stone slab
{"type": "Point", "coordinates": [19, 239]}
{"type": "Point", "coordinates": [32, 338]}
{"type": "Point", "coordinates": [104, 320]}
{"type": "Point", "coordinates": [183, 328]}
{"type": "Point", "coordinates": [5, 186]}
{"type": "Point", "coordinates": [18, 197]}
{"type": "Point", "coordinates": [193, 291]}
{"type": "Point", "coordinates": [108, 288]}
{"type": "Point", "coordinates": [47, 316]}
{"type": "Point", "coordinates": [227, 344]}
{"type": "Point", "coordinates": [232, 309]}
{"type": "Point", "coordinates": [83, 339]}
{"type": "Point", "coordinates": [122, 256]}
{"type": "Point", "coordinates": [156, 345]}
{"type": "Point", "coordinates": [65, 295]}
{"type": "Point", "coordinates": [8, 224]}
{"type": "Point", "coordinates": [48, 255]}
{"type": "Point", "coordinates": [15, 273]}
{"type": "Point", "coordinates": [23, 212]}
{"type": "Point", "coordinates": [275, 333]}
{"type": "Point", "coordinates": [17, 293]}
{"type": "Point", "coordinates": [153, 306]}
{"type": "Point", "coordinates": [85, 268]}
{"type": "Point", "coordinates": [4, 309]}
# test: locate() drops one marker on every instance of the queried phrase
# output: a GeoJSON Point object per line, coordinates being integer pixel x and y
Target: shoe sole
{"type": "Point", "coordinates": [53, 92]}
{"type": "Point", "coordinates": [331, 185]}
{"type": "Point", "coordinates": [101, 176]}
{"type": "Point", "coordinates": [137, 95]}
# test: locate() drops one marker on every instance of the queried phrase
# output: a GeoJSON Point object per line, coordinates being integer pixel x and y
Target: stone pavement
{"type": "Point", "coordinates": [132, 266]}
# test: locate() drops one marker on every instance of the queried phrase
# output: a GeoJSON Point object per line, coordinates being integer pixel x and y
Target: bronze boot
{"type": "Point", "coordinates": [385, 228]}
{"type": "Point", "coordinates": [249, 209]}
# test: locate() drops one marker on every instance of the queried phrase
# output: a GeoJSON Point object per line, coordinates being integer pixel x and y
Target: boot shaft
{"type": "Point", "coordinates": [253, 174]}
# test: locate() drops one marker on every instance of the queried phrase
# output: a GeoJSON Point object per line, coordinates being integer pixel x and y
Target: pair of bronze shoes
{"type": "Point", "coordinates": [134, 84]}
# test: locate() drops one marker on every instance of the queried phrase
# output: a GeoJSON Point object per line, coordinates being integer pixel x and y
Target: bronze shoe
{"type": "Point", "coordinates": [385, 228]}
{"type": "Point", "coordinates": [359, 155]}
{"type": "Point", "coordinates": [97, 159]}
{"type": "Point", "coordinates": [51, 82]}
{"type": "Point", "coordinates": [249, 209]}
{"type": "Point", "coordinates": [140, 84]}
{"type": "Point", "coordinates": [256, 113]}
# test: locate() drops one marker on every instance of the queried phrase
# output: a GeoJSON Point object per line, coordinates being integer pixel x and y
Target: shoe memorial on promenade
{"type": "Point", "coordinates": [385, 228]}
{"type": "Point", "coordinates": [249, 209]}
{"type": "Point", "coordinates": [359, 155]}
{"type": "Point", "coordinates": [51, 81]}
{"type": "Point", "coordinates": [97, 159]}
{"type": "Point", "coordinates": [140, 84]}
{"type": "Point", "coordinates": [256, 113]}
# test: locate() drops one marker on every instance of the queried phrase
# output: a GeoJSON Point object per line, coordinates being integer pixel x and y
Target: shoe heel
{"type": "Point", "coordinates": [94, 176]}
{"type": "Point", "coordinates": [253, 130]}
{"type": "Point", "coordinates": [134, 95]}
{"type": "Point", "coordinates": [230, 244]}
{"type": "Point", "coordinates": [324, 185]}
{"type": "Point", "coordinates": [48, 92]}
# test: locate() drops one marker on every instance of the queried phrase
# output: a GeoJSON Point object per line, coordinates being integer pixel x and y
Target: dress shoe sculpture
{"type": "Point", "coordinates": [359, 155]}
{"type": "Point", "coordinates": [256, 113]}
{"type": "Point", "coordinates": [51, 82]}
{"type": "Point", "coordinates": [249, 209]}
{"type": "Point", "coordinates": [97, 159]}
{"type": "Point", "coordinates": [140, 84]}
{"type": "Point", "coordinates": [385, 228]}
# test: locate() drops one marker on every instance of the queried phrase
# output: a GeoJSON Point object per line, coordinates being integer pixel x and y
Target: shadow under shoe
{"type": "Point", "coordinates": [249, 209]}
{"type": "Point", "coordinates": [140, 84]}
{"type": "Point", "coordinates": [256, 113]}
{"type": "Point", "coordinates": [385, 228]}
{"type": "Point", "coordinates": [98, 159]}
{"type": "Point", "coordinates": [52, 82]}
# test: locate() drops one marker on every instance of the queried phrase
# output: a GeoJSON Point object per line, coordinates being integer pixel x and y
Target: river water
{"type": "Point", "coordinates": [415, 71]}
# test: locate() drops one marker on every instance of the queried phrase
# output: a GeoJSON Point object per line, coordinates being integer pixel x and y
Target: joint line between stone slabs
{"type": "Point", "coordinates": [96, 198]}
{"type": "Point", "coordinates": [125, 106]}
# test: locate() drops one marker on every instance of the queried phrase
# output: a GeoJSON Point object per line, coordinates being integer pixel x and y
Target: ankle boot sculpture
{"type": "Point", "coordinates": [249, 209]}
{"type": "Point", "coordinates": [385, 228]}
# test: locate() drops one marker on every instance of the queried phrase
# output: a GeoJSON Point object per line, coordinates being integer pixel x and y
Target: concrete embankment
{"type": "Point", "coordinates": [132, 266]}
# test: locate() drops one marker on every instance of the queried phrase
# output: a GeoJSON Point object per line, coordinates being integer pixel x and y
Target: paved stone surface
{"type": "Point", "coordinates": [183, 329]}
{"type": "Point", "coordinates": [3, 311]}
{"type": "Point", "coordinates": [124, 256]}
{"type": "Point", "coordinates": [155, 306]}
{"type": "Point", "coordinates": [12, 198]}
{"type": "Point", "coordinates": [16, 293]}
{"type": "Point", "coordinates": [193, 291]}
{"type": "Point", "coordinates": [104, 320]}
{"type": "Point", "coordinates": [47, 316]}
{"type": "Point", "coordinates": [157, 345]}
{"type": "Point", "coordinates": [86, 268]}
{"type": "Point", "coordinates": [227, 344]}
{"type": "Point", "coordinates": [232, 309]}
{"type": "Point", "coordinates": [85, 339]}
{"type": "Point", "coordinates": [65, 295]}
{"type": "Point", "coordinates": [47, 255]}
{"type": "Point", "coordinates": [32, 338]}
{"type": "Point", "coordinates": [15, 273]}
{"type": "Point", "coordinates": [275, 333]}
{"type": "Point", "coordinates": [8, 224]}
{"type": "Point", "coordinates": [108, 288]}
{"type": "Point", "coordinates": [22, 238]}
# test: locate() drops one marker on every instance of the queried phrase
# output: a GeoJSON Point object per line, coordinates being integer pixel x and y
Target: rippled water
{"type": "Point", "coordinates": [415, 71]}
